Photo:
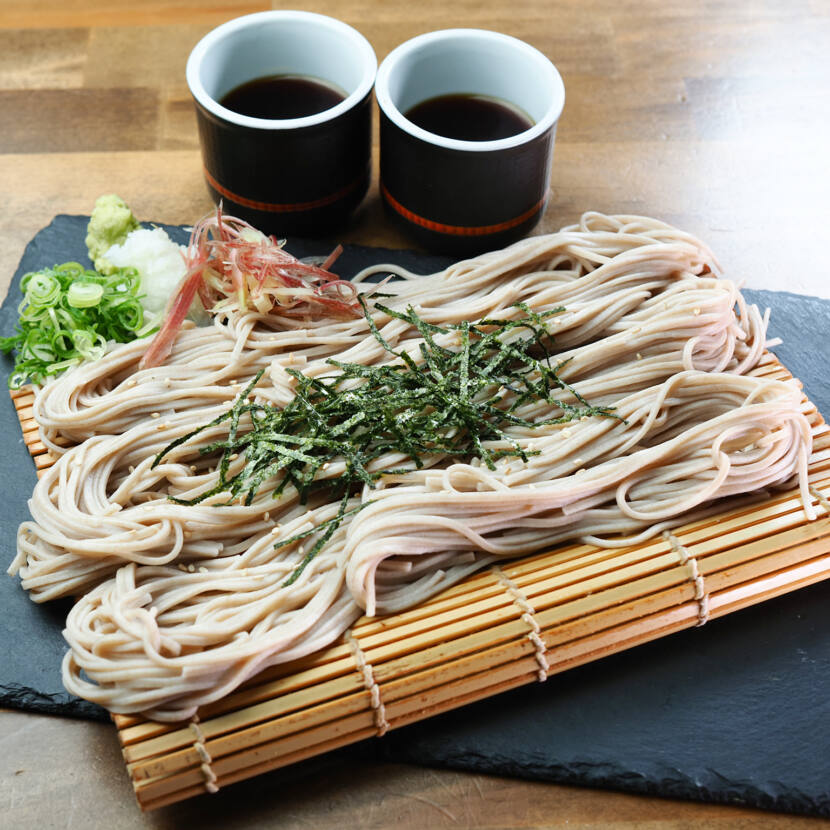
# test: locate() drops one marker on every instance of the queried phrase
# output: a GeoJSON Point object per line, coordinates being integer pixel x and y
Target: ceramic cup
{"type": "Point", "coordinates": [460, 196]}
{"type": "Point", "coordinates": [295, 175]}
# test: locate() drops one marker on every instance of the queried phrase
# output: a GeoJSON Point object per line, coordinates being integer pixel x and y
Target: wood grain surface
{"type": "Point", "coordinates": [711, 115]}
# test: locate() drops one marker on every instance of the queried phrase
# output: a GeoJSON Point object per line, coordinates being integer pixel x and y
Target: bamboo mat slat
{"type": "Point", "coordinates": [513, 624]}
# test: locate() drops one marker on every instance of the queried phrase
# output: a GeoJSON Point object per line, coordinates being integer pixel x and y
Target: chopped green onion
{"type": "Point", "coordinates": [69, 314]}
{"type": "Point", "coordinates": [84, 294]}
{"type": "Point", "coordinates": [42, 289]}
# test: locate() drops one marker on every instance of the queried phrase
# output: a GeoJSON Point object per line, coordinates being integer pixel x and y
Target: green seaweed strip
{"type": "Point", "coordinates": [450, 404]}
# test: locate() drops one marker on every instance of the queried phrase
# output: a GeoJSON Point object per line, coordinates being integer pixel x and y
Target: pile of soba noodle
{"type": "Point", "coordinates": [180, 604]}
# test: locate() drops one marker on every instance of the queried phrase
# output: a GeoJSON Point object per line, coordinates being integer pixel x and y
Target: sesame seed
{"type": "Point", "coordinates": [155, 415]}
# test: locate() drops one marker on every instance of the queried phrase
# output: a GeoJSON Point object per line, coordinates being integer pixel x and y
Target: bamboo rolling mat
{"type": "Point", "coordinates": [499, 629]}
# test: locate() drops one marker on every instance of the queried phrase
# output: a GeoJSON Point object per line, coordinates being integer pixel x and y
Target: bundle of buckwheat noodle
{"type": "Point", "coordinates": [182, 603]}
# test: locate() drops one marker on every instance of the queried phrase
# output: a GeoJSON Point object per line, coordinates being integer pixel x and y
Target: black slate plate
{"type": "Point", "coordinates": [737, 711]}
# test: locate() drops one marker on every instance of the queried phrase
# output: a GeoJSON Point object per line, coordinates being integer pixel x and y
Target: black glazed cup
{"type": "Point", "coordinates": [300, 176]}
{"type": "Point", "coordinates": [457, 196]}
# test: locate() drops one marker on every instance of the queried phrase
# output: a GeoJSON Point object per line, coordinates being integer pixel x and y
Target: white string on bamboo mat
{"type": "Point", "coordinates": [201, 750]}
{"type": "Point", "coordinates": [364, 668]}
{"type": "Point", "coordinates": [528, 618]}
{"type": "Point", "coordinates": [821, 498]}
{"type": "Point", "coordinates": [697, 578]}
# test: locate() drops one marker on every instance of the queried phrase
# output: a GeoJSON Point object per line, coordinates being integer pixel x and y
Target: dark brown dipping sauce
{"type": "Point", "coordinates": [282, 96]}
{"type": "Point", "coordinates": [469, 117]}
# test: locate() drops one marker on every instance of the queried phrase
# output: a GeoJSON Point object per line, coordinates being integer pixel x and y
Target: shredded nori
{"type": "Point", "coordinates": [450, 403]}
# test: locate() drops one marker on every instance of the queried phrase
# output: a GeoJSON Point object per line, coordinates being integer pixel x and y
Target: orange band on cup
{"type": "Point", "coordinates": [271, 207]}
{"type": "Point", "coordinates": [458, 230]}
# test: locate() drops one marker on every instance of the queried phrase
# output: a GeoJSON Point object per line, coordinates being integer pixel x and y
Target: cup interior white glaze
{"type": "Point", "coordinates": [280, 43]}
{"type": "Point", "coordinates": [476, 62]}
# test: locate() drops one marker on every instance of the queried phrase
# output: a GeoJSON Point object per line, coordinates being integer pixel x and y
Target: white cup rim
{"type": "Point", "coordinates": [197, 89]}
{"type": "Point", "coordinates": [388, 107]}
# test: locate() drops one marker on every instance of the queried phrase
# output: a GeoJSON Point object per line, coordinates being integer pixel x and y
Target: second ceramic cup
{"type": "Point", "coordinates": [457, 195]}
{"type": "Point", "coordinates": [290, 173]}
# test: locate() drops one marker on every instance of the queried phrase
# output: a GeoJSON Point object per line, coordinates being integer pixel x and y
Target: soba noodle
{"type": "Point", "coordinates": [182, 603]}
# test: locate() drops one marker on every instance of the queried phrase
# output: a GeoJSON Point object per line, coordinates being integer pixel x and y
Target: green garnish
{"type": "Point", "coordinates": [84, 294]}
{"type": "Point", "coordinates": [448, 404]}
{"type": "Point", "coordinates": [110, 223]}
{"type": "Point", "coordinates": [68, 314]}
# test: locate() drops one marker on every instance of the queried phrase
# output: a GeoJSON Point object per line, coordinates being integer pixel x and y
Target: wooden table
{"type": "Point", "coordinates": [712, 116]}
